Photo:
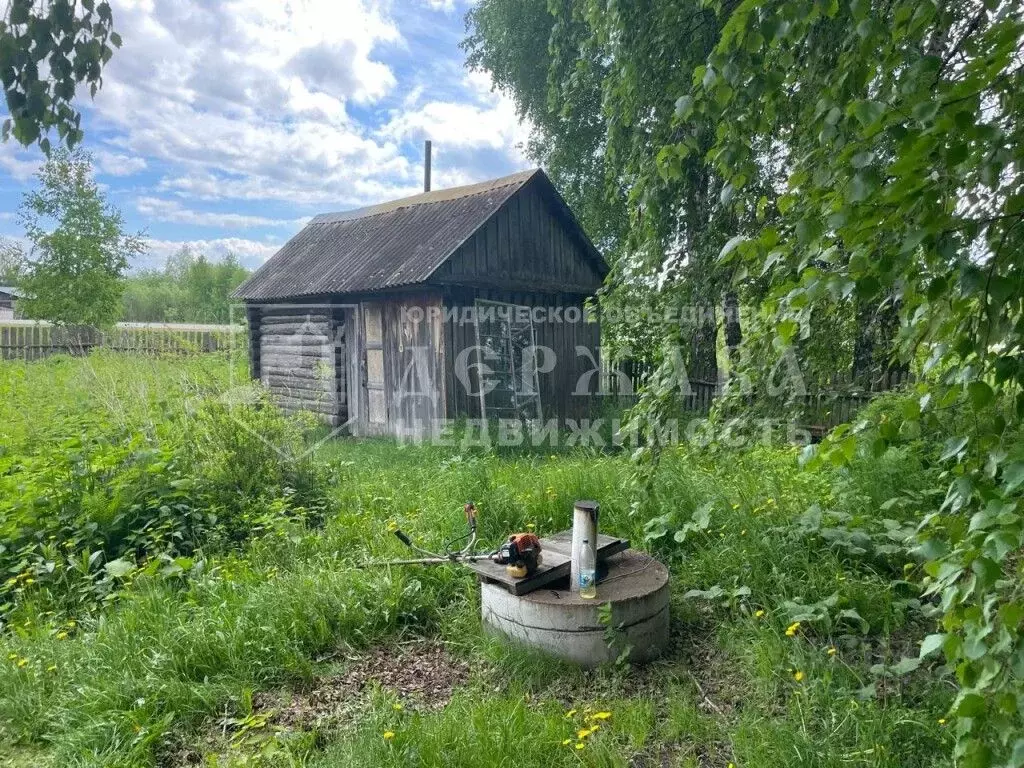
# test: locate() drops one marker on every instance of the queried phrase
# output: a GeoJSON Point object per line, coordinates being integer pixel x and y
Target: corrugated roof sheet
{"type": "Point", "coordinates": [397, 243]}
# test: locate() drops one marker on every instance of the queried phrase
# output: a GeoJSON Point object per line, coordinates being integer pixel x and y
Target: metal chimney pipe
{"type": "Point", "coordinates": [426, 165]}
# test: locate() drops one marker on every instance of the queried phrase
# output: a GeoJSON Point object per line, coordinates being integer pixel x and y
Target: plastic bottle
{"type": "Point", "coordinates": [588, 571]}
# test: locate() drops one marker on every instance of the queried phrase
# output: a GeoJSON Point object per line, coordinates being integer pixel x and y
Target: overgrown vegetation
{"type": "Point", "coordinates": [796, 596]}
{"type": "Point", "coordinates": [189, 289]}
{"type": "Point", "coordinates": [851, 173]}
{"type": "Point", "coordinates": [137, 462]}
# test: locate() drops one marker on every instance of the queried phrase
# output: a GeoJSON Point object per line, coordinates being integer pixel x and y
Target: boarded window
{"type": "Point", "coordinates": [505, 338]}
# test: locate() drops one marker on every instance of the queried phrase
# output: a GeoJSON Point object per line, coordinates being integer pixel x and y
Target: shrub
{"type": "Point", "coordinates": [155, 484]}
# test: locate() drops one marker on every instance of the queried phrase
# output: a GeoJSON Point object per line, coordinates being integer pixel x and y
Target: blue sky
{"type": "Point", "coordinates": [226, 125]}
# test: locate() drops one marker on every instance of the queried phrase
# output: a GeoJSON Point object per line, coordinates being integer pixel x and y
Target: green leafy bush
{"type": "Point", "coordinates": [96, 492]}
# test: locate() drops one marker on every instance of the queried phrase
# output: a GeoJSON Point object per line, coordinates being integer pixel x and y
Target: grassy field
{"type": "Point", "coordinates": [176, 593]}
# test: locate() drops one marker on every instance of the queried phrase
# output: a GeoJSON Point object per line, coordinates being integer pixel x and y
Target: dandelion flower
{"type": "Point", "coordinates": [389, 735]}
{"type": "Point", "coordinates": [22, 662]}
{"type": "Point", "coordinates": [758, 614]}
{"type": "Point", "coordinates": [582, 733]}
{"type": "Point", "coordinates": [832, 651]}
{"type": "Point", "coordinates": [601, 715]}
{"type": "Point", "coordinates": [12, 656]}
{"type": "Point", "coordinates": [792, 629]}
{"type": "Point", "coordinates": [398, 707]}
{"type": "Point", "coordinates": [52, 668]}
{"type": "Point", "coordinates": [798, 676]}
{"type": "Point", "coordinates": [580, 745]}
{"type": "Point", "coordinates": [570, 713]}
{"type": "Point", "coordinates": [942, 721]}
{"type": "Point", "coordinates": [62, 635]}
{"type": "Point", "coordinates": [566, 742]}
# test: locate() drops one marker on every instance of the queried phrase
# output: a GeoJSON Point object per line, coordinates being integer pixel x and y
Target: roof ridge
{"type": "Point", "coordinates": [426, 198]}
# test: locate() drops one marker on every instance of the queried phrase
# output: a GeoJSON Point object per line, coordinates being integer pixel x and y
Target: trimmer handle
{"type": "Point", "coordinates": [402, 537]}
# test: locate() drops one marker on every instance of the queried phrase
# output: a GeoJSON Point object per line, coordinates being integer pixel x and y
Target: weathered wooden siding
{"type": "Point", "coordinates": [414, 362]}
{"type": "Point", "coordinates": [525, 246]}
{"type": "Point", "coordinates": [564, 339]}
{"type": "Point", "coordinates": [297, 351]}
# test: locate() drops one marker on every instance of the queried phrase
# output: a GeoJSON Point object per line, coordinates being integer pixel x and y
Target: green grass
{"type": "Point", "coordinates": [172, 653]}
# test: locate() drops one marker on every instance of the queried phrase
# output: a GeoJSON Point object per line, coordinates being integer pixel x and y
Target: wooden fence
{"type": "Point", "coordinates": [819, 410]}
{"type": "Point", "coordinates": [21, 340]}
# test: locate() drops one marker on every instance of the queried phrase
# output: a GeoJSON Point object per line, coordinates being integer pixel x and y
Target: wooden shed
{"type": "Point", "coordinates": [462, 302]}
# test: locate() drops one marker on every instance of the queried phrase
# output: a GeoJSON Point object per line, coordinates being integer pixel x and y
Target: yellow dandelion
{"type": "Point", "coordinates": [22, 662]}
{"type": "Point", "coordinates": [735, 506]}
{"type": "Point", "coordinates": [832, 651]}
{"type": "Point", "coordinates": [758, 614]}
{"type": "Point", "coordinates": [580, 745]}
{"type": "Point", "coordinates": [62, 635]}
{"type": "Point", "coordinates": [12, 656]}
{"type": "Point", "coordinates": [942, 721]}
{"type": "Point", "coordinates": [52, 668]}
{"type": "Point", "coordinates": [566, 742]}
{"type": "Point", "coordinates": [792, 629]}
{"type": "Point", "coordinates": [570, 713]}
{"type": "Point", "coordinates": [389, 735]}
{"type": "Point", "coordinates": [392, 526]}
{"type": "Point", "coordinates": [398, 707]}
{"type": "Point", "coordinates": [582, 733]}
{"type": "Point", "coordinates": [601, 715]}
{"type": "Point", "coordinates": [530, 526]}
{"type": "Point", "coordinates": [798, 676]}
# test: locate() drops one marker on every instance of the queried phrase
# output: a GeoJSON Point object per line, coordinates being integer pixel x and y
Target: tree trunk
{"type": "Point", "coordinates": [864, 346]}
{"type": "Point", "coordinates": [703, 343]}
{"type": "Point", "coordinates": [733, 331]}
{"type": "Point", "coordinates": [891, 371]}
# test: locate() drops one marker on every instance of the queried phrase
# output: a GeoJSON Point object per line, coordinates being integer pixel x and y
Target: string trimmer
{"type": "Point", "coordinates": [520, 553]}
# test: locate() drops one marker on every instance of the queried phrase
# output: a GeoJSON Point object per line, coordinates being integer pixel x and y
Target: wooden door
{"type": "Point", "coordinates": [375, 413]}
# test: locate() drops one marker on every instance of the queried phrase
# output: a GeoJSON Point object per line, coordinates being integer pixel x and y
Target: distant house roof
{"type": "Point", "coordinates": [10, 290]}
{"type": "Point", "coordinates": [397, 243]}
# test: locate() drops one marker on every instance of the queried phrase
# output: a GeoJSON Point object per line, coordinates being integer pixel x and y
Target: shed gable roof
{"type": "Point", "coordinates": [393, 244]}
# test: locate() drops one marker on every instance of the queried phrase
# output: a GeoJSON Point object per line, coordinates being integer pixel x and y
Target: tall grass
{"type": "Point", "coordinates": [175, 652]}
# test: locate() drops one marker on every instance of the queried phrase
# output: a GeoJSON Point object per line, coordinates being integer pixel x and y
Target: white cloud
{"type": "Point", "coordinates": [250, 253]}
{"type": "Point", "coordinates": [117, 164]}
{"type": "Point", "coordinates": [311, 104]}
{"type": "Point", "coordinates": [255, 91]}
{"type": "Point", "coordinates": [485, 119]}
{"type": "Point", "coordinates": [21, 164]}
{"type": "Point", "coordinates": [161, 209]}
